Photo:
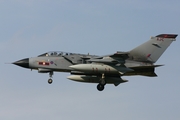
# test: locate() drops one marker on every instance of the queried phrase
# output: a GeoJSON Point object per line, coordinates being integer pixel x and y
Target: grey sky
{"type": "Point", "coordinates": [32, 27]}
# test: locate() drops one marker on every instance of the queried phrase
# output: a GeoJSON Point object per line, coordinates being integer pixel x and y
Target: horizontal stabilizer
{"type": "Point", "coordinates": [144, 71]}
{"type": "Point", "coordinates": [152, 66]}
{"type": "Point", "coordinates": [119, 82]}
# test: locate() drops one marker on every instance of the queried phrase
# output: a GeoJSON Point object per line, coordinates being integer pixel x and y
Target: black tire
{"type": "Point", "coordinates": [100, 87]}
{"type": "Point", "coordinates": [50, 81]}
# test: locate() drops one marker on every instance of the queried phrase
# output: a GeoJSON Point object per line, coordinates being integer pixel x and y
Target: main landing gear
{"type": "Point", "coordinates": [50, 79]}
{"type": "Point", "coordinates": [102, 83]}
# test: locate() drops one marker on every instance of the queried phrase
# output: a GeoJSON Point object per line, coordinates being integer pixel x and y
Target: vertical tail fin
{"type": "Point", "coordinates": [153, 49]}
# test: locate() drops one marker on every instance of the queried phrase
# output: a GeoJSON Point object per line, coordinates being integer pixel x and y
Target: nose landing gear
{"type": "Point", "coordinates": [50, 79]}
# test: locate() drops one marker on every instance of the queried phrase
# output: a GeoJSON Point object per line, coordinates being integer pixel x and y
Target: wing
{"type": "Point", "coordinates": [116, 61]}
{"type": "Point", "coordinates": [120, 55]}
{"type": "Point", "coordinates": [116, 58]}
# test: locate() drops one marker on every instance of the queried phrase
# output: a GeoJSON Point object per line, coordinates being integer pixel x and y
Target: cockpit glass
{"type": "Point", "coordinates": [55, 53]}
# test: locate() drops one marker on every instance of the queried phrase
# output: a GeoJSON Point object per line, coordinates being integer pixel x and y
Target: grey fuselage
{"type": "Point", "coordinates": [60, 63]}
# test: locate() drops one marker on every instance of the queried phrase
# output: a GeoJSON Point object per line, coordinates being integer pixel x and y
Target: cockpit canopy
{"type": "Point", "coordinates": [56, 53]}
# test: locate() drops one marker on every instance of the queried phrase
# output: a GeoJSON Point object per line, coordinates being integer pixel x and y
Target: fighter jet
{"type": "Point", "coordinates": [108, 69]}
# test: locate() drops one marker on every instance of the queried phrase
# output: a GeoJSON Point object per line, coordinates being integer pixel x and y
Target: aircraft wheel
{"type": "Point", "coordinates": [100, 87]}
{"type": "Point", "coordinates": [50, 81]}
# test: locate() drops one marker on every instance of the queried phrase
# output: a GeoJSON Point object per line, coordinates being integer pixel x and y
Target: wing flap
{"type": "Point", "coordinates": [108, 61]}
{"type": "Point", "coordinates": [116, 58]}
{"type": "Point", "coordinates": [121, 55]}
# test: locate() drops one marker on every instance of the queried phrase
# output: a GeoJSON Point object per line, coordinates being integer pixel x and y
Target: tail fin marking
{"type": "Point", "coordinates": [152, 49]}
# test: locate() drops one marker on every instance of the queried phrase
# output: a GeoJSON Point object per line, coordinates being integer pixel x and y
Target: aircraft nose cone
{"type": "Point", "coordinates": [23, 63]}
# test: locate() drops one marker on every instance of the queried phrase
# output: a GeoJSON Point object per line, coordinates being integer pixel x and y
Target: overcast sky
{"type": "Point", "coordinates": [32, 27]}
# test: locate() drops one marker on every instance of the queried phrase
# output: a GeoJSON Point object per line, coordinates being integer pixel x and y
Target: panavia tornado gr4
{"type": "Point", "coordinates": [108, 69]}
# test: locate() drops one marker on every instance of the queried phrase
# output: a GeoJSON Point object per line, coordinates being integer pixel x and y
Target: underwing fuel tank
{"type": "Point", "coordinates": [94, 79]}
{"type": "Point", "coordinates": [100, 68]}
